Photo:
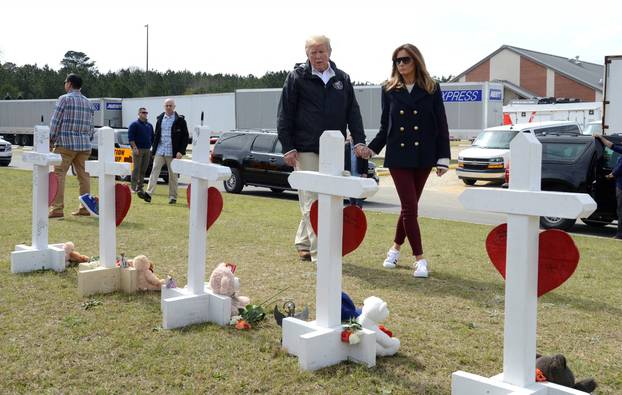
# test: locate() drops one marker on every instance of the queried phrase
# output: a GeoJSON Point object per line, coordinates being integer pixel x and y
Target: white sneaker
{"type": "Point", "coordinates": [392, 257]}
{"type": "Point", "coordinates": [421, 269]}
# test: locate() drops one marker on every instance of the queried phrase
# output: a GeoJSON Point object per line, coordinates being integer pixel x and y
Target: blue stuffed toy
{"type": "Point", "coordinates": [348, 309]}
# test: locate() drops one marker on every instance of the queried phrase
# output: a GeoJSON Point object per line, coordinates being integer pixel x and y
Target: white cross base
{"type": "Point", "coordinates": [40, 255]}
{"type": "Point", "coordinates": [318, 344]}
{"type": "Point", "coordinates": [106, 277]}
{"type": "Point", "coordinates": [524, 203]}
{"type": "Point", "coordinates": [196, 303]}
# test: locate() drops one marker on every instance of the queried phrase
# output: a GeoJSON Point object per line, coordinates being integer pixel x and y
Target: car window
{"type": "Point", "coordinates": [233, 140]}
{"type": "Point", "coordinates": [564, 129]}
{"type": "Point", "coordinates": [565, 152]}
{"type": "Point", "coordinates": [278, 148]}
{"type": "Point", "coordinates": [490, 139]}
{"type": "Point", "coordinates": [263, 143]}
{"type": "Point", "coordinates": [122, 138]}
{"type": "Point", "coordinates": [611, 158]}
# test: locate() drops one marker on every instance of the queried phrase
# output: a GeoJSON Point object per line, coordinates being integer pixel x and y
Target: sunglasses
{"type": "Point", "coordinates": [144, 112]}
{"type": "Point", "coordinates": [403, 60]}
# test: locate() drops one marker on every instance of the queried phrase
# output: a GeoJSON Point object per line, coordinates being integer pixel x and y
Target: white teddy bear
{"type": "Point", "coordinates": [375, 311]}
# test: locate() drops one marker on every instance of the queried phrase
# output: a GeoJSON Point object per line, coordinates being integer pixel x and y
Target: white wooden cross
{"type": "Point", "coordinates": [196, 303]}
{"type": "Point", "coordinates": [317, 344]}
{"type": "Point", "coordinates": [104, 277]}
{"type": "Point", "coordinates": [40, 255]}
{"type": "Point", "coordinates": [524, 203]}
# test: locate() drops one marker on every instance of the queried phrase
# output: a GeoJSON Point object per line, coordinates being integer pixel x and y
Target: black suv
{"type": "Point", "coordinates": [580, 164]}
{"type": "Point", "coordinates": [256, 158]}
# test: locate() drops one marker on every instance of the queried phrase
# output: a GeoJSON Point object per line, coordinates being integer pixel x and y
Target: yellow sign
{"type": "Point", "coordinates": [123, 155]}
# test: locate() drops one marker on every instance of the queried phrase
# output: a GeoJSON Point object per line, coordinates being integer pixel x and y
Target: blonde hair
{"type": "Point", "coordinates": [422, 77]}
{"type": "Point", "coordinates": [318, 40]}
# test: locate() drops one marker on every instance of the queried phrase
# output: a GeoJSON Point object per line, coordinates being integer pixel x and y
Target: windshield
{"type": "Point", "coordinates": [499, 140]}
{"type": "Point", "coordinates": [123, 138]}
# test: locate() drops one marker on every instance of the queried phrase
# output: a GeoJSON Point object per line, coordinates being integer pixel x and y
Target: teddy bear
{"type": "Point", "coordinates": [553, 368]}
{"type": "Point", "coordinates": [375, 311]}
{"type": "Point", "coordinates": [223, 282]}
{"type": "Point", "coordinates": [72, 256]}
{"type": "Point", "coordinates": [145, 279]}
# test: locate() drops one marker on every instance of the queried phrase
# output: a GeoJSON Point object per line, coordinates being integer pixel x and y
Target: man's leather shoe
{"type": "Point", "coordinates": [56, 214]}
{"type": "Point", "coordinates": [172, 201]}
{"type": "Point", "coordinates": [304, 255]}
{"type": "Point", "coordinates": [81, 212]}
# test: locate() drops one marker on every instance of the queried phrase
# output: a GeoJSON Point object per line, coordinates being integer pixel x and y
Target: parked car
{"type": "Point", "coordinates": [256, 158]}
{"type": "Point", "coordinates": [123, 152]}
{"type": "Point", "coordinates": [490, 151]}
{"type": "Point", "coordinates": [6, 152]}
{"type": "Point", "coordinates": [579, 164]}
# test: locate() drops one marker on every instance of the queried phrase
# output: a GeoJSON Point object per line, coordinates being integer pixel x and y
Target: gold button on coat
{"type": "Point", "coordinates": [401, 128]}
{"type": "Point", "coordinates": [415, 127]}
{"type": "Point", "coordinates": [402, 145]}
{"type": "Point", "coordinates": [416, 143]}
{"type": "Point", "coordinates": [414, 112]}
{"type": "Point", "coordinates": [401, 112]}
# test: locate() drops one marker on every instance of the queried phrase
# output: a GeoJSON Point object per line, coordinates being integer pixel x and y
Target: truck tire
{"type": "Point", "coordinates": [469, 181]}
{"type": "Point", "coordinates": [557, 223]}
{"type": "Point", "coordinates": [235, 183]}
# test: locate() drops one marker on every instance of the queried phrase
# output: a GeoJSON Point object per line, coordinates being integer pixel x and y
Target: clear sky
{"type": "Point", "coordinates": [252, 37]}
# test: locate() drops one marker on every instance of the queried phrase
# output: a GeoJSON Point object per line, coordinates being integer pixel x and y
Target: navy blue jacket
{"type": "Point", "coordinates": [141, 133]}
{"type": "Point", "coordinates": [413, 126]}
{"type": "Point", "coordinates": [308, 107]}
{"type": "Point", "coordinates": [617, 170]}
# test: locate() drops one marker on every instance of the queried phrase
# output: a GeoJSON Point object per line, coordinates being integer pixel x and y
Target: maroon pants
{"type": "Point", "coordinates": [409, 185]}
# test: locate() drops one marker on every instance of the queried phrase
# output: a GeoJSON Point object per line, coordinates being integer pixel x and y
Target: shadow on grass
{"type": "Point", "coordinates": [443, 283]}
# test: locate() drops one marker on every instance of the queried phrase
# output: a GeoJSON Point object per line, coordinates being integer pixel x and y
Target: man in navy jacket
{"type": "Point", "coordinates": [140, 134]}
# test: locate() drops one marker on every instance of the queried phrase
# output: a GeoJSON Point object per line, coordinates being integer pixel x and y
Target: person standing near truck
{"type": "Point", "coordinates": [71, 130]}
{"type": "Point", "coordinates": [617, 174]}
{"type": "Point", "coordinates": [140, 135]}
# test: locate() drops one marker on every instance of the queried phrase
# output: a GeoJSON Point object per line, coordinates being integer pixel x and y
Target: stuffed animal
{"type": "Point", "coordinates": [375, 311]}
{"type": "Point", "coordinates": [554, 369]}
{"type": "Point", "coordinates": [146, 280]}
{"type": "Point", "coordinates": [72, 256]}
{"type": "Point", "coordinates": [223, 282]}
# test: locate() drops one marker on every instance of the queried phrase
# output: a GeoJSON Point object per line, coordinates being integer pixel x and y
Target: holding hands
{"type": "Point", "coordinates": [363, 151]}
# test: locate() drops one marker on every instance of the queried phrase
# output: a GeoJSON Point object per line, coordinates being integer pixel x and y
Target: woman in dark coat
{"type": "Point", "coordinates": [413, 127]}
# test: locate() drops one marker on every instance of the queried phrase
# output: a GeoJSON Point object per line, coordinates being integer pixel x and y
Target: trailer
{"type": "Point", "coordinates": [581, 112]}
{"type": "Point", "coordinates": [218, 110]}
{"type": "Point", "coordinates": [17, 117]}
{"type": "Point", "coordinates": [612, 95]}
{"type": "Point", "coordinates": [470, 106]}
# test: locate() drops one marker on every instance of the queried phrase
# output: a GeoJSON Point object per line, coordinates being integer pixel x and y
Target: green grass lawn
{"type": "Point", "coordinates": [452, 321]}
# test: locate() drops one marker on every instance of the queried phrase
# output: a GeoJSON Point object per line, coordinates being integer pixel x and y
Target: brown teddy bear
{"type": "Point", "coordinates": [145, 279]}
{"type": "Point", "coordinates": [72, 256]}
{"type": "Point", "coordinates": [223, 282]}
{"type": "Point", "coordinates": [554, 369]}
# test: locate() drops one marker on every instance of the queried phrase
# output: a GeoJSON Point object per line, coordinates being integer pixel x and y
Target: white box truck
{"type": "Point", "coordinates": [582, 112]}
{"type": "Point", "coordinates": [612, 95]}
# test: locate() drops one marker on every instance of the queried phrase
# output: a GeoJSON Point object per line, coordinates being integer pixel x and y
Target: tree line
{"type": "Point", "coordinates": [34, 82]}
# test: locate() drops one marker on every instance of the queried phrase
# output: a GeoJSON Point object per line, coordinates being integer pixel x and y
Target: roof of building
{"type": "Point", "coordinates": [586, 73]}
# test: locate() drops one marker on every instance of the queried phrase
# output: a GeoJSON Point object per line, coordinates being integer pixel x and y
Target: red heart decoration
{"type": "Point", "coordinates": [52, 188]}
{"type": "Point", "coordinates": [354, 226]}
{"type": "Point", "coordinates": [122, 201]}
{"type": "Point", "coordinates": [557, 259]}
{"type": "Point", "coordinates": [214, 203]}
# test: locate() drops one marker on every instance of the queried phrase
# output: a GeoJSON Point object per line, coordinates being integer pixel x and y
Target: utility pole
{"type": "Point", "coordinates": [147, 64]}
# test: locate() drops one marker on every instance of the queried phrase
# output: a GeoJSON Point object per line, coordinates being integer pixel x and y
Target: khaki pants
{"type": "Point", "coordinates": [158, 162]}
{"type": "Point", "coordinates": [305, 237]}
{"type": "Point", "coordinates": [77, 159]}
{"type": "Point", "coordinates": [141, 162]}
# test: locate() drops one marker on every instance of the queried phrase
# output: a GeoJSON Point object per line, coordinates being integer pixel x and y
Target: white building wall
{"type": "Point", "coordinates": [505, 66]}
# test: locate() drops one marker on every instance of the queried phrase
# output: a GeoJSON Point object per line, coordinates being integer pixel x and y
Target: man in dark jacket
{"type": "Point", "coordinates": [170, 142]}
{"type": "Point", "coordinates": [616, 173]}
{"type": "Point", "coordinates": [317, 96]}
{"type": "Point", "coordinates": [140, 135]}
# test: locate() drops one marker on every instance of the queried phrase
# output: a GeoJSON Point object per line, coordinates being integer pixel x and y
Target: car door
{"type": "Point", "coordinates": [257, 161]}
{"type": "Point", "coordinates": [605, 189]}
{"type": "Point", "coordinates": [279, 171]}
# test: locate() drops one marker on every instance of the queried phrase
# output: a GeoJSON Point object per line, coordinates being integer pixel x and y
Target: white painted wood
{"type": "Point", "coordinates": [524, 203]}
{"type": "Point", "coordinates": [105, 168]}
{"type": "Point", "coordinates": [196, 303]}
{"type": "Point", "coordinates": [40, 255]}
{"type": "Point", "coordinates": [318, 344]}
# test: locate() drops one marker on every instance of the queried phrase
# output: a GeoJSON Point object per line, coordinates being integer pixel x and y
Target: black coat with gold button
{"type": "Point", "coordinates": [413, 126]}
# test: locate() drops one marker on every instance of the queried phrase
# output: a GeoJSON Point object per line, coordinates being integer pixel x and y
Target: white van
{"type": "Point", "coordinates": [490, 152]}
